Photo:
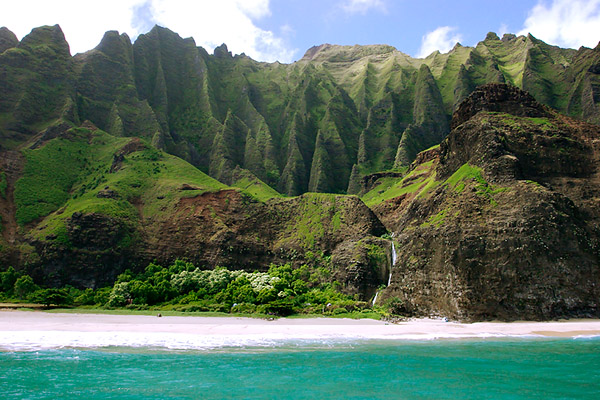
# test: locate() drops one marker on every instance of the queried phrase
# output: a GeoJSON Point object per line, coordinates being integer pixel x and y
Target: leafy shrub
{"type": "Point", "coordinates": [142, 292]}
{"type": "Point", "coordinates": [119, 296]}
{"type": "Point", "coordinates": [52, 296]}
{"type": "Point", "coordinates": [102, 296]}
{"type": "Point", "coordinates": [87, 297]}
{"type": "Point", "coordinates": [244, 308]}
{"type": "Point", "coordinates": [282, 290]}
{"type": "Point", "coordinates": [282, 307]}
{"type": "Point", "coordinates": [24, 286]}
{"type": "Point", "coordinates": [238, 291]}
{"type": "Point", "coordinates": [8, 279]}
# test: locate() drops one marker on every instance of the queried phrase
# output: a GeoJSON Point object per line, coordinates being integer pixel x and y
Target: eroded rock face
{"type": "Point", "coordinates": [510, 231]}
{"type": "Point", "coordinates": [230, 229]}
{"type": "Point", "coordinates": [222, 228]}
{"type": "Point", "coordinates": [91, 253]}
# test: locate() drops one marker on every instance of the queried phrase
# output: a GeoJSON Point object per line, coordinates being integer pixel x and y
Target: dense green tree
{"type": "Point", "coordinates": [8, 279]}
{"type": "Point", "coordinates": [142, 292]}
{"type": "Point", "coordinates": [24, 286]}
{"type": "Point", "coordinates": [240, 291]}
{"type": "Point", "coordinates": [281, 291]}
{"type": "Point", "coordinates": [52, 296]}
{"type": "Point", "coordinates": [87, 297]}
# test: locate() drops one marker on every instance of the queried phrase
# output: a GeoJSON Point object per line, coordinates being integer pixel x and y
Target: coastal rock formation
{"type": "Point", "coordinates": [509, 228]}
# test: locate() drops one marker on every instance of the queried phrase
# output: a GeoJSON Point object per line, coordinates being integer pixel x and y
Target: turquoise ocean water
{"type": "Point", "coordinates": [437, 369]}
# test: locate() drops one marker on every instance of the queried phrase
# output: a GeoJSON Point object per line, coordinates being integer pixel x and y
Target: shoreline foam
{"type": "Point", "coordinates": [26, 330]}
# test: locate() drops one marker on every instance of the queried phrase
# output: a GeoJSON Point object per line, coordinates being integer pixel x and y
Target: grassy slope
{"type": "Point", "coordinates": [49, 174]}
{"type": "Point", "coordinates": [313, 216]}
{"type": "Point", "coordinates": [67, 174]}
{"type": "Point", "coordinates": [147, 185]}
{"type": "Point", "coordinates": [388, 188]}
{"type": "Point", "coordinates": [422, 180]}
{"type": "Point", "coordinates": [256, 188]}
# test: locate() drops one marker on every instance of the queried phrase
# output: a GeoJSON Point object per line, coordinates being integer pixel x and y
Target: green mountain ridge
{"type": "Point", "coordinates": [157, 150]}
{"type": "Point", "coordinates": [373, 106]}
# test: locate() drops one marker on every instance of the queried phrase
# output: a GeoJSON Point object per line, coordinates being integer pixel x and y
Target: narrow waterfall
{"type": "Point", "coordinates": [394, 257]}
{"type": "Point", "coordinates": [375, 298]}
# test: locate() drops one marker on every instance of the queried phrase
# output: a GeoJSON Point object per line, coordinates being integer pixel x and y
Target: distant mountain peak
{"type": "Point", "coordinates": [326, 52]}
{"type": "Point", "coordinates": [222, 52]}
{"type": "Point", "coordinates": [51, 36]}
{"type": "Point", "coordinates": [492, 36]}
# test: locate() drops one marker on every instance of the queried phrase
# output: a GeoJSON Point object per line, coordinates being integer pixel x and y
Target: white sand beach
{"type": "Point", "coordinates": [34, 330]}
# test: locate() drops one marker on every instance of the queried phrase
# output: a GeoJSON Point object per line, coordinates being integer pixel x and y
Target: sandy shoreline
{"type": "Point", "coordinates": [26, 329]}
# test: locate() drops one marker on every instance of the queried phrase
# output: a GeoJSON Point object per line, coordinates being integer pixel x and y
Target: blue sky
{"type": "Point", "coordinates": [269, 30]}
{"type": "Point", "coordinates": [401, 24]}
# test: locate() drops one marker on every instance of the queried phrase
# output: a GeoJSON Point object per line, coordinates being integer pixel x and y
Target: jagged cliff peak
{"type": "Point", "coordinates": [7, 39]}
{"type": "Point", "coordinates": [115, 45]}
{"type": "Point", "coordinates": [113, 37]}
{"type": "Point", "coordinates": [51, 36]}
{"type": "Point", "coordinates": [508, 36]}
{"type": "Point", "coordinates": [222, 51]}
{"type": "Point", "coordinates": [162, 33]}
{"type": "Point", "coordinates": [491, 36]}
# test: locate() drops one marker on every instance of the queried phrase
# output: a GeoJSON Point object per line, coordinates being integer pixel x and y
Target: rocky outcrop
{"type": "Point", "coordinates": [91, 253]}
{"type": "Point", "coordinates": [231, 229]}
{"type": "Point", "coordinates": [498, 98]}
{"type": "Point", "coordinates": [509, 230]}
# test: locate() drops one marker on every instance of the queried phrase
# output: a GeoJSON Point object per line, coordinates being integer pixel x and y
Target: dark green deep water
{"type": "Point", "coordinates": [437, 369]}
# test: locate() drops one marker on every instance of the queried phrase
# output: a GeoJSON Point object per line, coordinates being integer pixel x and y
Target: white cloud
{"type": "Point", "coordinates": [567, 23]}
{"type": "Point", "coordinates": [254, 8]}
{"type": "Point", "coordinates": [83, 22]}
{"type": "Point", "coordinates": [287, 30]}
{"type": "Point", "coordinates": [442, 39]}
{"type": "Point", "coordinates": [210, 23]}
{"type": "Point", "coordinates": [362, 6]}
{"type": "Point", "coordinates": [502, 30]}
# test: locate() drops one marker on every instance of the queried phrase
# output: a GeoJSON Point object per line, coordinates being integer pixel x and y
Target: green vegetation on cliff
{"type": "Point", "coordinates": [94, 172]}
{"type": "Point", "coordinates": [280, 291]}
{"type": "Point", "coordinates": [59, 162]}
{"type": "Point", "coordinates": [413, 183]}
{"type": "Point", "coordinates": [298, 127]}
{"type": "Point", "coordinates": [101, 203]}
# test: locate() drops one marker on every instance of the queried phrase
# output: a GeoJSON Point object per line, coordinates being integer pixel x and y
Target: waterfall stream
{"type": "Point", "coordinates": [394, 257]}
{"type": "Point", "coordinates": [375, 298]}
